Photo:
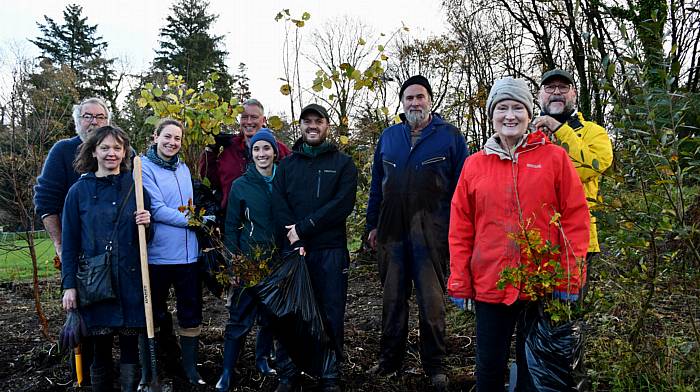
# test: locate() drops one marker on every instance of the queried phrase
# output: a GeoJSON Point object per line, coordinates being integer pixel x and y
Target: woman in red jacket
{"type": "Point", "coordinates": [517, 181]}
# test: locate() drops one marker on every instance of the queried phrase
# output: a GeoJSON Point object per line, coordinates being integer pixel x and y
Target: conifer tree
{"type": "Point", "coordinates": [188, 48]}
{"type": "Point", "coordinates": [75, 43]}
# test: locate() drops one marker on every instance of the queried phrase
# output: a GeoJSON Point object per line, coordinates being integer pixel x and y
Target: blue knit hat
{"type": "Point", "coordinates": [266, 135]}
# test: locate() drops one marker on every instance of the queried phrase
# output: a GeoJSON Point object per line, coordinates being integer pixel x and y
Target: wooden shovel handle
{"type": "Point", "coordinates": [143, 252]}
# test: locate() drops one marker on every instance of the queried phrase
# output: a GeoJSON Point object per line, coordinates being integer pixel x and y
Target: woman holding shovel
{"type": "Point", "coordinates": [100, 271]}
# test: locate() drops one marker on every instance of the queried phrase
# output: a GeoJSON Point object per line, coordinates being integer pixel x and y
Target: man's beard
{"type": "Point", "coordinates": [568, 106]}
{"type": "Point", "coordinates": [416, 117]}
{"type": "Point", "coordinates": [82, 132]}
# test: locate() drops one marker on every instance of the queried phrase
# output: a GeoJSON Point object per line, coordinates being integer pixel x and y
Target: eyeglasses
{"type": "Point", "coordinates": [89, 117]}
{"type": "Point", "coordinates": [551, 88]}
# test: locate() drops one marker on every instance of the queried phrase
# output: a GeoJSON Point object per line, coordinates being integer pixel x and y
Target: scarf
{"type": "Point", "coordinates": [153, 156]}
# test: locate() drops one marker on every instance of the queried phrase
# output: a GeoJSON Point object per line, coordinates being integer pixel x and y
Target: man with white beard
{"type": "Point", "coordinates": [416, 167]}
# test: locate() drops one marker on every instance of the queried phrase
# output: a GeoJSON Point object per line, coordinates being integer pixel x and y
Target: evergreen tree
{"type": "Point", "coordinates": [241, 86]}
{"type": "Point", "coordinates": [188, 49]}
{"type": "Point", "coordinates": [76, 44]}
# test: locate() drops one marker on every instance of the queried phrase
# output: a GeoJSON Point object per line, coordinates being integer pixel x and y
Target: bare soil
{"type": "Point", "coordinates": [31, 362]}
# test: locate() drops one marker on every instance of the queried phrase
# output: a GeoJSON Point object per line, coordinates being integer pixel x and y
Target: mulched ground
{"type": "Point", "coordinates": [30, 362]}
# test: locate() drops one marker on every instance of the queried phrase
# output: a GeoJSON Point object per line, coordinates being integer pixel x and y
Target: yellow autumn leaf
{"type": "Point", "coordinates": [286, 89]}
{"type": "Point", "coordinates": [344, 139]}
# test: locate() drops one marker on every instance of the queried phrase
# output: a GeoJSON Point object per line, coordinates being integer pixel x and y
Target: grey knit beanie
{"type": "Point", "coordinates": [509, 88]}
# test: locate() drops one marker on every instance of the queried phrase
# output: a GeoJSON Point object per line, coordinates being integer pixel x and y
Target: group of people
{"type": "Point", "coordinates": [439, 219]}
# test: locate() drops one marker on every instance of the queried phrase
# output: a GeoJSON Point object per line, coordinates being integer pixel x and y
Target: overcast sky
{"type": "Point", "coordinates": [131, 27]}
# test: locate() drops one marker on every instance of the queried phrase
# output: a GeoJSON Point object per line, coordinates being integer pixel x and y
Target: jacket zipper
{"type": "Point", "coordinates": [433, 160]}
{"type": "Point", "coordinates": [187, 248]}
{"type": "Point", "coordinates": [318, 186]}
{"type": "Point", "coordinates": [390, 163]}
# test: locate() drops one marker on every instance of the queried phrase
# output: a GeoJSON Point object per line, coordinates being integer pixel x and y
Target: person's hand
{"type": "Point", "coordinates": [302, 251]}
{"type": "Point", "coordinates": [59, 249]}
{"type": "Point", "coordinates": [546, 124]}
{"type": "Point", "coordinates": [142, 217]}
{"type": "Point", "coordinates": [372, 238]}
{"type": "Point", "coordinates": [70, 299]}
{"type": "Point", "coordinates": [292, 235]}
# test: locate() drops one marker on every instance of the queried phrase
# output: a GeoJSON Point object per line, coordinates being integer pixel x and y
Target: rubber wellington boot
{"type": "Point", "coordinates": [100, 379]}
{"type": "Point", "coordinates": [127, 376]}
{"type": "Point", "coordinates": [232, 349]}
{"type": "Point", "coordinates": [190, 348]}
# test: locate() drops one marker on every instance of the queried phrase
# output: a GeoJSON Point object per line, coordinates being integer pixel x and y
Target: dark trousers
{"type": "Point", "coordinates": [243, 312]}
{"type": "Point", "coordinates": [188, 293]}
{"type": "Point", "coordinates": [328, 270]}
{"type": "Point", "coordinates": [128, 350]}
{"type": "Point", "coordinates": [401, 267]}
{"type": "Point", "coordinates": [495, 324]}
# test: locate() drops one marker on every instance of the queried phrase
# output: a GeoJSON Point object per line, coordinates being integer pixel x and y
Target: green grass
{"type": "Point", "coordinates": [16, 263]}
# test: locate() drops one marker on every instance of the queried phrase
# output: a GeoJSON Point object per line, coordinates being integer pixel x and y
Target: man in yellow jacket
{"type": "Point", "coordinates": [587, 143]}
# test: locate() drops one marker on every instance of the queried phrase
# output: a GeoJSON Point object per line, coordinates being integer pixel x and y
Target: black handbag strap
{"type": "Point", "coordinates": [108, 247]}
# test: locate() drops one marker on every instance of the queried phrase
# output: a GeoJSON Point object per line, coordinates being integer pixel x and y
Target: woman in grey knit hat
{"type": "Point", "coordinates": [515, 184]}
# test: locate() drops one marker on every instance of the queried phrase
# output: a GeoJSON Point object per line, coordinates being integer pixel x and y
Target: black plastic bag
{"type": "Point", "coordinates": [72, 332]}
{"type": "Point", "coordinates": [294, 316]}
{"type": "Point", "coordinates": [554, 354]}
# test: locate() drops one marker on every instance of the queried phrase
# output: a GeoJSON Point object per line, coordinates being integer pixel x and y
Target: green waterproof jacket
{"type": "Point", "coordinates": [249, 222]}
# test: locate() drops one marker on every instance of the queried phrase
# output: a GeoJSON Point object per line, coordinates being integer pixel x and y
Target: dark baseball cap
{"type": "Point", "coordinates": [556, 73]}
{"type": "Point", "coordinates": [315, 108]}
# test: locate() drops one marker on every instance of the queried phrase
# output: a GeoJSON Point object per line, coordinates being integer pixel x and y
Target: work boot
{"type": "Point", "coordinates": [127, 376]}
{"type": "Point", "coordinates": [232, 349]}
{"type": "Point", "coordinates": [145, 360]}
{"type": "Point", "coordinates": [440, 382]}
{"type": "Point", "coordinates": [100, 379]}
{"type": "Point", "coordinates": [190, 347]}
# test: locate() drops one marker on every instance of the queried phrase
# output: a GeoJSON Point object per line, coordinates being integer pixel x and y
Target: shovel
{"type": "Point", "coordinates": [147, 305]}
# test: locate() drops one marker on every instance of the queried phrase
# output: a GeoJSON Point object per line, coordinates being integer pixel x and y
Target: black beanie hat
{"type": "Point", "coordinates": [416, 79]}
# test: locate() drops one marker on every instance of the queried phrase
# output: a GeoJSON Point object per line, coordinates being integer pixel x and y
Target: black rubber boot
{"type": "Point", "coordinates": [263, 347]}
{"type": "Point", "coordinates": [145, 359]}
{"type": "Point", "coordinates": [168, 349]}
{"type": "Point", "coordinates": [190, 347]}
{"type": "Point", "coordinates": [100, 379]}
{"type": "Point", "coordinates": [232, 349]}
{"type": "Point", "coordinates": [127, 376]}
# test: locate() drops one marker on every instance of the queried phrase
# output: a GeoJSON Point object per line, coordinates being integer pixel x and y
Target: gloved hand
{"type": "Point", "coordinates": [73, 330]}
{"type": "Point", "coordinates": [458, 302]}
{"type": "Point", "coordinates": [564, 296]}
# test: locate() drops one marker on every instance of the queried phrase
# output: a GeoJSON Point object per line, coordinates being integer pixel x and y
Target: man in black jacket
{"type": "Point", "coordinates": [313, 194]}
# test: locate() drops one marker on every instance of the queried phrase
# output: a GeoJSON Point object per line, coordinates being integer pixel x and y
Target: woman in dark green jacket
{"type": "Point", "coordinates": [249, 233]}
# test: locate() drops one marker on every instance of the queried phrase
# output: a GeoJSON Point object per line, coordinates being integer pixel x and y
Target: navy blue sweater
{"type": "Point", "coordinates": [56, 177]}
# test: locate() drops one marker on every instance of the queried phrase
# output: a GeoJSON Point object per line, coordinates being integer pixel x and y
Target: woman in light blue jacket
{"type": "Point", "coordinates": [172, 254]}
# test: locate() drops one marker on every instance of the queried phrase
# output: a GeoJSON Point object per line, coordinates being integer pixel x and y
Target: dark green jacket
{"type": "Point", "coordinates": [249, 222]}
